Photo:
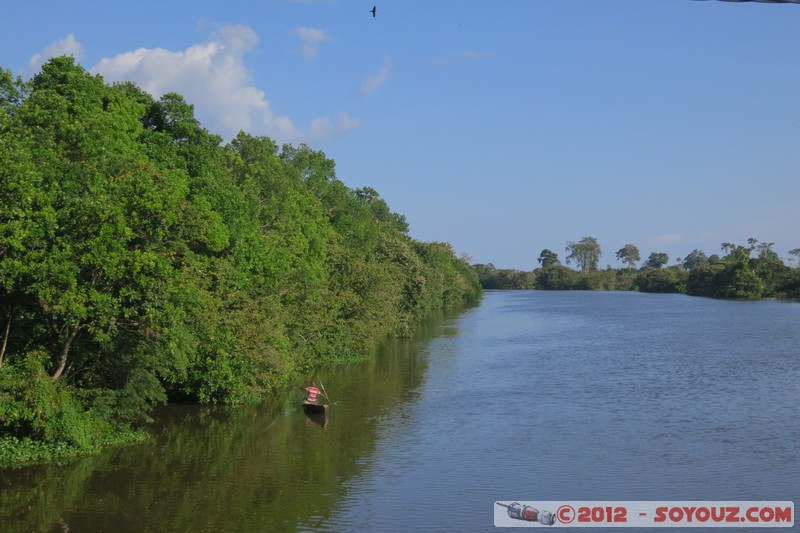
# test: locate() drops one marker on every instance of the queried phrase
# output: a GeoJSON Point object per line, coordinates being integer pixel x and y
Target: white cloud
{"type": "Point", "coordinates": [372, 83]}
{"type": "Point", "coordinates": [324, 128]}
{"type": "Point", "coordinates": [68, 46]}
{"type": "Point", "coordinates": [311, 38]}
{"type": "Point", "coordinates": [214, 78]}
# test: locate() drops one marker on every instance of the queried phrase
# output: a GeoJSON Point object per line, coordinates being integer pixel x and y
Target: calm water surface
{"type": "Point", "coordinates": [530, 396]}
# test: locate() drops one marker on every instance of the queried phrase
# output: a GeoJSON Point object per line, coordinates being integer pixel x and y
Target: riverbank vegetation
{"type": "Point", "coordinates": [744, 272]}
{"type": "Point", "coordinates": [142, 260]}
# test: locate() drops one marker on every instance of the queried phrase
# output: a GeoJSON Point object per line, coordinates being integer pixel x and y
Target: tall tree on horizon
{"type": "Point", "coordinates": [629, 254]}
{"type": "Point", "coordinates": [548, 258]}
{"type": "Point", "coordinates": [656, 260]}
{"type": "Point", "coordinates": [585, 253]}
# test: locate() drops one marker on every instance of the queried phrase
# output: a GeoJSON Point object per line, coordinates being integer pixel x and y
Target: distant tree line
{"type": "Point", "coordinates": [750, 271]}
{"type": "Point", "coordinates": [143, 260]}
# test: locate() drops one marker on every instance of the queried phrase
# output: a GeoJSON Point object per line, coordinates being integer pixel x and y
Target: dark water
{"type": "Point", "coordinates": [532, 396]}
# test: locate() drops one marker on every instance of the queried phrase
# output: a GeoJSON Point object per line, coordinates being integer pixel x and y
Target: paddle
{"type": "Point", "coordinates": [324, 392]}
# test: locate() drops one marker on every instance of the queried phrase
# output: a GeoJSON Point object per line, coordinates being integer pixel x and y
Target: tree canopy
{"type": "Point", "coordinates": [141, 260]}
{"type": "Point", "coordinates": [548, 258]}
{"type": "Point", "coordinates": [656, 260]}
{"type": "Point", "coordinates": [585, 253]}
{"type": "Point", "coordinates": [629, 254]}
{"type": "Point", "coordinates": [737, 275]}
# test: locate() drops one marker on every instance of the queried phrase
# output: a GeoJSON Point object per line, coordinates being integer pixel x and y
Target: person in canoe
{"type": "Point", "coordinates": [312, 393]}
{"type": "Point", "coordinates": [311, 406]}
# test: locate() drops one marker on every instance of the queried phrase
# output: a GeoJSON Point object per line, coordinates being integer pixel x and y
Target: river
{"type": "Point", "coordinates": [530, 396]}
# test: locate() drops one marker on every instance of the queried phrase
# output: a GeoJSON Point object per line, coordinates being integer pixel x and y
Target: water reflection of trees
{"type": "Point", "coordinates": [259, 468]}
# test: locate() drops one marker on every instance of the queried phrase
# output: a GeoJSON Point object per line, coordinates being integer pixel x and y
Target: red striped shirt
{"type": "Point", "coordinates": [312, 394]}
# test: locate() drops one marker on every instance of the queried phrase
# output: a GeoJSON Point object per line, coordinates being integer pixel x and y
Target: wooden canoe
{"type": "Point", "coordinates": [315, 408]}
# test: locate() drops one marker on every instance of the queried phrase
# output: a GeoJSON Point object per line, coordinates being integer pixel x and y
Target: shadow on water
{"type": "Point", "coordinates": [257, 468]}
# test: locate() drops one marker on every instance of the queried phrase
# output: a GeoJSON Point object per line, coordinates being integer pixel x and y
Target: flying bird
{"type": "Point", "coordinates": [373, 11]}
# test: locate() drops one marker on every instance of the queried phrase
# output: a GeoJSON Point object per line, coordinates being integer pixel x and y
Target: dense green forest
{"type": "Point", "coordinates": [142, 260]}
{"type": "Point", "coordinates": [746, 272]}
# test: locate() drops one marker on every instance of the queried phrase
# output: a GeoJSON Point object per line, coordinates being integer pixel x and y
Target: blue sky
{"type": "Point", "coordinates": [501, 127]}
